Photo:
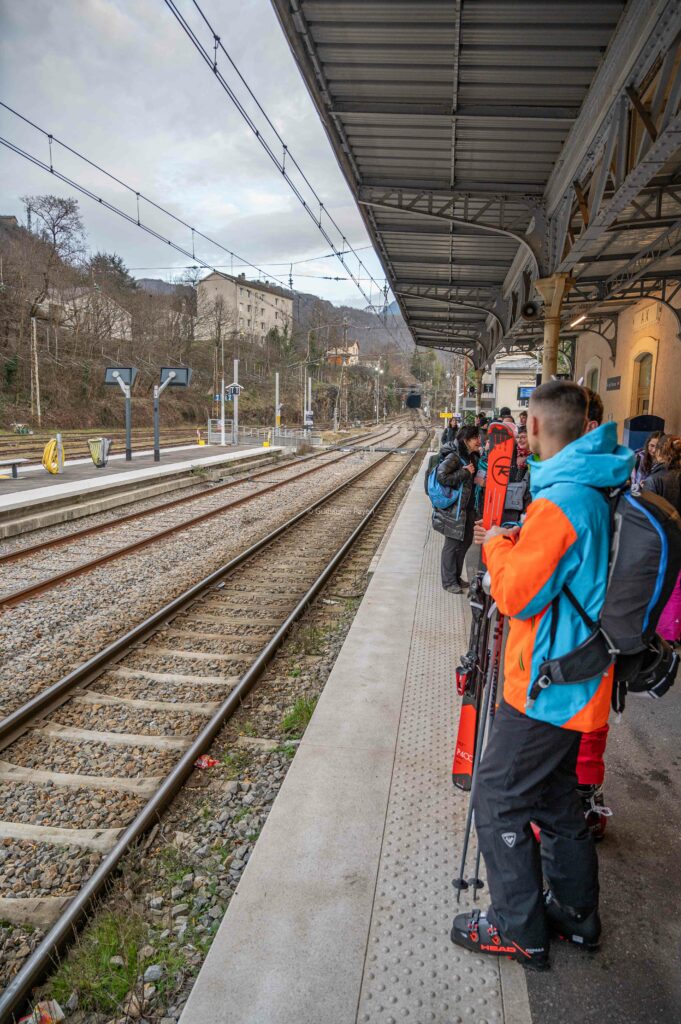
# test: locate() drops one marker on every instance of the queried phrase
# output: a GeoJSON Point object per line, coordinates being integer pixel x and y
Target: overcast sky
{"type": "Point", "coordinates": [119, 81]}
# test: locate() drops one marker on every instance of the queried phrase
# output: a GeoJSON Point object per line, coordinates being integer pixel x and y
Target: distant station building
{"type": "Point", "coordinates": [251, 308]}
{"type": "Point", "coordinates": [345, 355]}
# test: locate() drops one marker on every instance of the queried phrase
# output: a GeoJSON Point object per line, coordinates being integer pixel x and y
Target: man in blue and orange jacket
{"type": "Point", "coordinates": [527, 773]}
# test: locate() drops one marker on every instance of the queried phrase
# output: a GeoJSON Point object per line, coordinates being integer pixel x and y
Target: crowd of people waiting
{"type": "Point", "coordinates": [540, 785]}
{"type": "Point", "coordinates": [462, 460]}
{"type": "Point", "coordinates": [573, 457]}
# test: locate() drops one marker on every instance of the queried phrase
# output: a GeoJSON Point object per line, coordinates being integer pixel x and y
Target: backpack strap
{"type": "Point", "coordinates": [589, 622]}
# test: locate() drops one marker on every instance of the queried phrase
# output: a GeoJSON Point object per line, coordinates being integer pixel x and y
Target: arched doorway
{"type": "Point", "coordinates": [643, 379]}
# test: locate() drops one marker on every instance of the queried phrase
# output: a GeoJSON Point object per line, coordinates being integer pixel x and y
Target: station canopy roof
{"type": "Point", "coordinates": [489, 143]}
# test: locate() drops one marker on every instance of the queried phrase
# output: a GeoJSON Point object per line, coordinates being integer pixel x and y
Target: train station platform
{"type": "Point", "coordinates": [343, 912]}
{"type": "Point", "coordinates": [46, 499]}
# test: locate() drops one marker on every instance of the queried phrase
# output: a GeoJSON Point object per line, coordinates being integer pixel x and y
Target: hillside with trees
{"type": "Point", "coordinates": [66, 314]}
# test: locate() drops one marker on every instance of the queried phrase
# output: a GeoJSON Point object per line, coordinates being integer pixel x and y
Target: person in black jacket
{"type": "Point", "coordinates": [457, 470]}
{"type": "Point", "coordinates": [449, 434]}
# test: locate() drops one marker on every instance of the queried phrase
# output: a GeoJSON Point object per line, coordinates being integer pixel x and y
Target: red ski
{"type": "Point", "coordinates": [499, 462]}
{"type": "Point", "coordinates": [472, 670]}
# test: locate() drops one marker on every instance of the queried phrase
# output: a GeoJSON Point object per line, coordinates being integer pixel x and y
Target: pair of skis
{"type": "Point", "coordinates": [472, 670]}
{"type": "Point", "coordinates": [478, 674]}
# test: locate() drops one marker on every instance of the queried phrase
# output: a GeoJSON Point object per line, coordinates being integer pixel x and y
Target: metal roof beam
{"type": "Point", "coordinates": [446, 262]}
{"type": "Point", "coordinates": [642, 222]}
{"type": "Point", "coordinates": [473, 115]}
{"type": "Point", "coordinates": [646, 27]}
{"type": "Point", "coordinates": [654, 158]}
{"type": "Point", "coordinates": [425, 209]}
{"type": "Point", "coordinates": [462, 186]}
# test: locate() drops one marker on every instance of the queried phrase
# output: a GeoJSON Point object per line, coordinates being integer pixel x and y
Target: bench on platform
{"type": "Point", "coordinates": [14, 463]}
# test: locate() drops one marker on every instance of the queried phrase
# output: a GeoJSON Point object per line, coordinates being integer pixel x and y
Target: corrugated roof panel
{"type": "Point", "coordinates": [436, 109]}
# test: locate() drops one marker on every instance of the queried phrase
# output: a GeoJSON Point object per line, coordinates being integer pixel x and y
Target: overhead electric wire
{"type": "Point", "coordinates": [139, 195]}
{"type": "Point", "coordinates": [126, 216]}
{"type": "Point", "coordinates": [211, 62]}
{"type": "Point", "coordinates": [85, 191]}
{"type": "Point", "coordinates": [215, 268]}
{"type": "Point", "coordinates": [224, 266]}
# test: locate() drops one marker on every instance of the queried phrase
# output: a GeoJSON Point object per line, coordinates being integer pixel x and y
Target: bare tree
{"type": "Point", "coordinates": [59, 224]}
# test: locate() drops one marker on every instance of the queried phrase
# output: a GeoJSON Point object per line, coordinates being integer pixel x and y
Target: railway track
{"type": "Point", "coordinates": [46, 564]}
{"type": "Point", "coordinates": [97, 756]}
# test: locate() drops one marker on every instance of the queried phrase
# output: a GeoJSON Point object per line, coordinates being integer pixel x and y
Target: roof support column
{"type": "Point", "coordinates": [478, 389]}
{"type": "Point", "coordinates": [552, 290]}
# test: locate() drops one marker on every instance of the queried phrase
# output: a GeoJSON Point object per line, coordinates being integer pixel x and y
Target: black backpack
{"type": "Point", "coordinates": [645, 561]}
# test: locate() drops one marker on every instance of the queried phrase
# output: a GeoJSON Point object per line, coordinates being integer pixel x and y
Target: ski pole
{"type": "Point", "coordinates": [475, 881]}
{"type": "Point", "coordinates": [460, 883]}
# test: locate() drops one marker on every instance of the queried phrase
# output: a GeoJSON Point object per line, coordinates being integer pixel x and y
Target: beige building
{"type": "Point", "coordinates": [644, 375]}
{"type": "Point", "coordinates": [90, 310]}
{"type": "Point", "coordinates": [345, 355]}
{"type": "Point", "coordinates": [250, 308]}
{"type": "Point", "coordinates": [514, 379]}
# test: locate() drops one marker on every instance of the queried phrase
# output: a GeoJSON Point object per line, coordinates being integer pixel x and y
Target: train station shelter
{"type": "Point", "coordinates": [517, 165]}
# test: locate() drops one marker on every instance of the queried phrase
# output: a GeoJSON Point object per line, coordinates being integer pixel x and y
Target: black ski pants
{"type": "Point", "coordinates": [527, 773]}
{"type": "Point", "coordinates": [454, 554]}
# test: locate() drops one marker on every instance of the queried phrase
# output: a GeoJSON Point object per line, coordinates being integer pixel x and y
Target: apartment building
{"type": "Point", "coordinates": [250, 308]}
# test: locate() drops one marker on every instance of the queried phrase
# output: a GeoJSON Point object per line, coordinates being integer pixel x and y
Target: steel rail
{"type": "Point", "coordinates": [15, 556]}
{"type": "Point", "coordinates": [15, 597]}
{"type": "Point", "coordinates": [42, 958]}
{"type": "Point", "coordinates": [90, 669]}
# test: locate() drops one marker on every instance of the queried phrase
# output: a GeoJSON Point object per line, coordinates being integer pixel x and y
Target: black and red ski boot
{"type": "Point", "coordinates": [596, 814]}
{"type": "Point", "coordinates": [582, 927]}
{"type": "Point", "coordinates": [476, 932]}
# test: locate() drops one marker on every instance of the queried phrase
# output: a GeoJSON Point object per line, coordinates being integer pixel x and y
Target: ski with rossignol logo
{"type": "Point", "coordinates": [472, 669]}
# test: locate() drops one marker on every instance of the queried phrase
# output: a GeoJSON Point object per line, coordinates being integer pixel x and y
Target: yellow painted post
{"type": "Point", "coordinates": [553, 290]}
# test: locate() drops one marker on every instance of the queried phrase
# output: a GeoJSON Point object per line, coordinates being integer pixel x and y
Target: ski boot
{"type": "Point", "coordinates": [596, 814]}
{"type": "Point", "coordinates": [581, 927]}
{"type": "Point", "coordinates": [476, 932]}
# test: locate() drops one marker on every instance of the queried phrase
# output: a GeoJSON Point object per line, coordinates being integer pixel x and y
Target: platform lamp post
{"type": "Point", "coordinates": [171, 376]}
{"type": "Point", "coordinates": [125, 377]}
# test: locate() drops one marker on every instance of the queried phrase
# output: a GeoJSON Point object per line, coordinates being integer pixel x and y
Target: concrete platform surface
{"type": "Point", "coordinates": [84, 478]}
{"type": "Point", "coordinates": [344, 909]}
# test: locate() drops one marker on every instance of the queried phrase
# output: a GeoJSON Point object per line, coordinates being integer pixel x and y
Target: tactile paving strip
{"type": "Point", "coordinates": [413, 973]}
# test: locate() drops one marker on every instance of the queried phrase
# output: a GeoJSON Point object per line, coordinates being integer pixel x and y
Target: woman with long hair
{"type": "Point", "coordinates": [645, 461]}
{"type": "Point", "coordinates": [666, 481]}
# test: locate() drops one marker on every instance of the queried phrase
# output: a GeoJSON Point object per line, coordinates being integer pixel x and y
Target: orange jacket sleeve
{"type": "Point", "coordinates": [529, 571]}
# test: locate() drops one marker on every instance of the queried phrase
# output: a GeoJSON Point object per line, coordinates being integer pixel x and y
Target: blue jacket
{"type": "Point", "coordinates": [565, 540]}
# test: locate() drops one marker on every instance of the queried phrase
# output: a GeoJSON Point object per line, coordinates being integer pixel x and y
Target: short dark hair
{"type": "Point", "coordinates": [523, 412]}
{"type": "Point", "coordinates": [467, 433]}
{"type": "Point", "coordinates": [505, 411]}
{"type": "Point", "coordinates": [565, 404]}
{"type": "Point", "coordinates": [595, 408]}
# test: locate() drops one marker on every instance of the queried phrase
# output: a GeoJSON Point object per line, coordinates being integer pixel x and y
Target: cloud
{"type": "Point", "coordinates": [121, 83]}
